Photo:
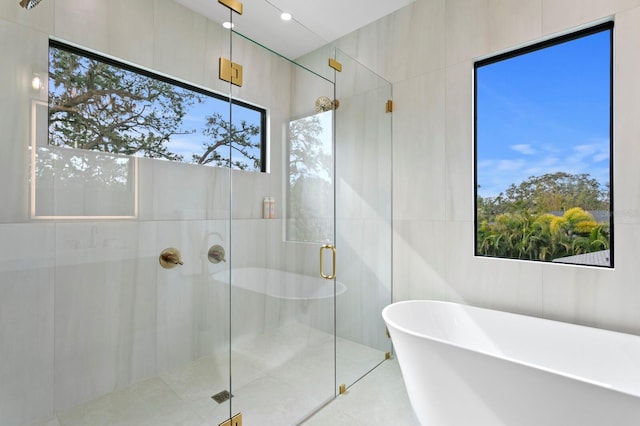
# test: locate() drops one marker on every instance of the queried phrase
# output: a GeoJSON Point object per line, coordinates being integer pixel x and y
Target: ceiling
{"type": "Point", "coordinates": [314, 23]}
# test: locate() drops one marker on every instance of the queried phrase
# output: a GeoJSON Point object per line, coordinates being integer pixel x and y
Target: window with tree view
{"type": "Point", "coordinates": [98, 104]}
{"type": "Point", "coordinates": [543, 144]}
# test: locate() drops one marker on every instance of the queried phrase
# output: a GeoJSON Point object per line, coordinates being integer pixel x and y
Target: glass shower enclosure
{"type": "Point", "coordinates": [136, 290]}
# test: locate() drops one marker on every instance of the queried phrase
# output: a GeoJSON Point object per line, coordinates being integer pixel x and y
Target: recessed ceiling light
{"type": "Point", "coordinates": [228, 25]}
{"type": "Point", "coordinates": [285, 16]}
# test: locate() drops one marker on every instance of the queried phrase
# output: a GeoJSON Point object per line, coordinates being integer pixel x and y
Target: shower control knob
{"type": "Point", "coordinates": [170, 258]}
{"type": "Point", "coordinates": [216, 254]}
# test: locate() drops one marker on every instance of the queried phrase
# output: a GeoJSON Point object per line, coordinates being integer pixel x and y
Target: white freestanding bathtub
{"type": "Point", "coordinates": [464, 365]}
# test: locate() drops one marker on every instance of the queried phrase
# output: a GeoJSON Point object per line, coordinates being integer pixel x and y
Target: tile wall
{"type": "Point", "coordinates": [427, 51]}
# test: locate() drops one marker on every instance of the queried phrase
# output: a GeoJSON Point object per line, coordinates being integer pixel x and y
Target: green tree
{"type": "Point", "coordinates": [557, 192]}
{"type": "Point", "coordinates": [524, 235]}
{"type": "Point", "coordinates": [310, 192]}
{"type": "Point", "coordinates": [98, 106]}
{"type": "Point", "coordinates": [306, 154]}
{"type": "Point", "coordinates": [218, 133]}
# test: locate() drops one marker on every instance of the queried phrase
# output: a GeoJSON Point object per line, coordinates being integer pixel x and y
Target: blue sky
{"type": "Point", "coordinates": [188, 144]}
{"type": "Point", "coordinates": [544, 112]}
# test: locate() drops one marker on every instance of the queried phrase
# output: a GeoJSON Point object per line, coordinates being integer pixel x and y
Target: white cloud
{"type": "Point", "coordinates": [510, 165]}
{"type": "Point", "coordinates": [594, 152]}
{"type": "Point", "coordinates": [523, 148]}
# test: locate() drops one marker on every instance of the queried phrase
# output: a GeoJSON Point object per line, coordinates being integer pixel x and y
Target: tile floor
{"type": "Point", "coordinates": [378, 399]}
{"type": "Point", "coordinates": [266, 386]}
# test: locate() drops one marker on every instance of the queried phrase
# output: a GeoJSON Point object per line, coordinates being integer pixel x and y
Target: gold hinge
{"type": "Point", "coordinates": [387, 355]}
{"type": "Point", "coordinates": [230, 71]}
{"type": "Point", "coordinates": [335, 65]}
{"type": "Point", "coordinates": [389, 106]}
{"type": "Point", "coordinates": [233, 421]}
{"type": "Point", "coordinates": [343, 388]}
{"type": "Point", "coordinates": [234, 5]}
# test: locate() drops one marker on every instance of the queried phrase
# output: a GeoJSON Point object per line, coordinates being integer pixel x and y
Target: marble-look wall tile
{"type": "Point", "coordinates": [572, 293]}
{"type": "Point", "coordinates": [419, 267]}
{"type": "Point", "coordinates": [24, 52]}
{"type": "Point", "coordinates": [510, 285]}
{"type": "Point", "coordinates": [217, 45]}
{"type": "Point", "coordinates": [560, 15]}
{"type": "Point", "coordinates": [104, 185]}
{"type": "Point", "coordinates": [513, 22]}
{"type": "Point", "coordinates": [411, 41]}
{"type": "Point", "coordinates": [265, 75]}
{"type": "Point", "coordinates": [84, 23]}
{"type": "Point", "coordinates": [306, 87]}
{"type": "Point", "coordinates": [617, 293]}
{"type": "Point", "coordinates": [105, 317]}
{"type": "Point", "coordinates": [26, 323]}
{"type": "Point", "coordinates": [317, 62]}
{"type": "Point", "coordinates": [459, 142]}
{"type": "Point", "coordinates": [90, 25]}
{"type": "Point", "coordinates": [467, 29]}
{"type": "Point", "coordinates": [85, 242]}
{"type": "Point", "coordinates": [419, 147]}
{"type": "Point", "coordinates": [364, 248]}
{"type": "Point", "coordinates": [179, 35]}
{"type": "Point", "coordinates": [188, 191]}
{"type": "Point", "coordinates": [301, 257]}
{"type": "Point", "coordinates": [40, 18]}
{"type": "Point", "coordinates": [363, 160]}
{"type": "Point", "coordinates": [599, 297]}
{"type": "Point", "coordinates": [257, 243]}
{"type": "Point", "coordinates": [192, 313]}
{"type": "Point", "coordinates": [53, 421]}
{"type": "Point", "coordinates": [250, 188]}
{"type": "Point", "coordinates": [626, 98]}
{"type": "Point", "coordinates": [363, 45]}
{"type": "Point", "coordinates": [135, 44]}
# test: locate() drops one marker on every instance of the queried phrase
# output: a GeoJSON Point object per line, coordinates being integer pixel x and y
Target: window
{"type": "Point", "coordinates": [310, 178]}
{"type": "Point", "coordinates": [99, 104]}
{"type": "Point", "coordinates": [543, 144]}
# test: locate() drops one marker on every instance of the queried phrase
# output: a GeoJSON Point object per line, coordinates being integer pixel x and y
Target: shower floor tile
{"type": "Point", "coordinates": [379, 398]}
{"type": "Point", "coordinates": [150, 402]}
{"type": "Point", "coordinates": [278, 377]}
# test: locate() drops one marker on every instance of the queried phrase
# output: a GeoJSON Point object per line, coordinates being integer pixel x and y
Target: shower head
{"type": "Point", "coordinates": [323, 104]}
{"type": "Point", "coordinates": [29, 4]}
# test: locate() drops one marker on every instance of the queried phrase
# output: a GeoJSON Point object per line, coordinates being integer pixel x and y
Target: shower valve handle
{"type": "Point", "coordinates": [170, 258]}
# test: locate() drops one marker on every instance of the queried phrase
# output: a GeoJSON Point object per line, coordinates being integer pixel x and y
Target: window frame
{"type": "Point", "coordinates": [53, 43]}
{"type": "Point", "coordinates": [551, 42]}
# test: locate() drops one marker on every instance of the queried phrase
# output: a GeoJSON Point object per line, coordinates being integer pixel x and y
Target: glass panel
{"type": "Point", "coordinates": [310, 175]}
{"type": "Point", "coordinates": [363, 218]}
{"type": "Point", "coordinates": [282, 312]}
{"type": "Point", "coordinates": [133, 341]}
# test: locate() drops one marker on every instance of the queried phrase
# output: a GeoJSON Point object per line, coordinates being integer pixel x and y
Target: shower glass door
{"type": "Point", "coordinates": [138, 332]}
{"type": "Point", "coordinates": [363, 217]}
{"type": "Point", "coordinates": [282, 212]}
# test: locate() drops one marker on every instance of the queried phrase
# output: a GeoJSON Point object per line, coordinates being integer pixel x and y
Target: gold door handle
{"type": "Point", "coordinates": [333, 257]}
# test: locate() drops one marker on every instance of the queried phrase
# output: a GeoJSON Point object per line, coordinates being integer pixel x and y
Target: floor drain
{"type": "Point", "coordinates": [221, 397]}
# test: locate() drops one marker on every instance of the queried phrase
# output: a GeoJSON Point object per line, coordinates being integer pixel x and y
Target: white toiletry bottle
{"type": "Point", "coordinates": [272, 208]}
{"type": "Point", "coordinates": [266, 210]}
